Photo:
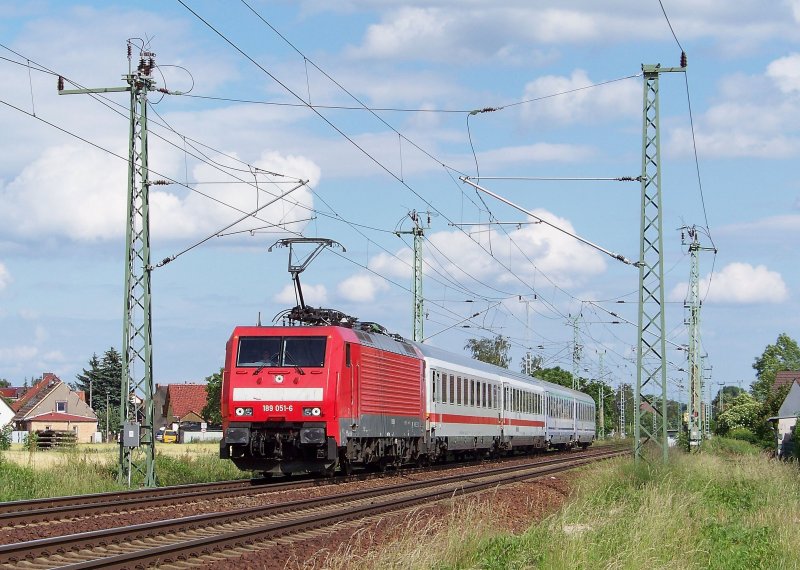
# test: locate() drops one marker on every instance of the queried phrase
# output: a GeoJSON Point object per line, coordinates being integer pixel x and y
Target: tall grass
{"type": "Point", "coordinates": [715, 510]}
{"type": "Point", "coordinates": [82, 471]}
{"type": "Point", "coordinates": [727, 508]}
{"type": "Point", "coordinates": [71, 474]}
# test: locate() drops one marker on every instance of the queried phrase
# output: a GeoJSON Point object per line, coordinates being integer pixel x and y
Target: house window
{"type": "Point", "coordinates": [61, 407]}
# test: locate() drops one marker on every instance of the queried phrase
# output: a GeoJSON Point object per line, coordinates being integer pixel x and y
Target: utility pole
{"type": "Point", "coordinates": [418, 231]}
{"type": "Point", "coordinates": [576, 353]}
{"type": "Point", "coordinates": [622, 433]}
{"type": "Point", "coordinates": [697, 417]}
{"type": "Point", "coordinates": [528, 367]}
{"type": "Point", "coordinates": [651, 358]}
{"type": "Point", "coordinates": [708, 410]}
{"type": "Point", "coordinates": [602, 398]}
{"type": "Point", "coordinates": [137, 440]}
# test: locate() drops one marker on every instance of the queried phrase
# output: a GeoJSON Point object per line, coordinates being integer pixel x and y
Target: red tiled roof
{"type": "Point", "coordinates": [785, 377]}
{"type": "Point", "coordinates": [185, 398]}
{"type": "Point", "coordinates": [60, 417]}
{"type": "Point", "coordinates": [13, 392]}
{"type": "Point", "coordinates": [47, 379]}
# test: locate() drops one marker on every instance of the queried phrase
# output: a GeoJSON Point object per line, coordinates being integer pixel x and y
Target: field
{"type": "Point", "coordinates": [91, 468]}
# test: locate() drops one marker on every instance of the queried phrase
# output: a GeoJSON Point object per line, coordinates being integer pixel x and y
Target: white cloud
{"type": "Point", "coordinates": [5, 277]}
{"type": "Point", "coordinates": [740, 284]}
{"type": "Point", "coordinates": [361, 288]}
{"type": "Point", "coordinates": [754, 116]}
{"type": "Point", "coordinates": [315, 295]}
{"type": "Point", "coordinates": [785, 72]}
{"type": "Point", "coordinates": [532, 247]}
{"type": "Point", "coordinates": [603, 103]}
{"type": "Point", "coordinates": [81, 194]}
{"type": "Point", "coordinates": [13, 354]}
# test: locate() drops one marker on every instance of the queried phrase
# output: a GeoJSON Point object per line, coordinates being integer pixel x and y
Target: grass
{"type": "Point", "coordinates": [727, 508]}
{"type": "Point", "coordinates": [93, 469]}
{"type": "Point", "coordinates": [713, 510]}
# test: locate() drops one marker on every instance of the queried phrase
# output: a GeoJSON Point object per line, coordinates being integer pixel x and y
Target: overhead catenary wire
{"type": "Point", "coordinates": [218, 233]}
{"type": "Point", "coordinates": [370, 228]}
{"type": "Point", "coordinates": [153, 171]}
{"type": "Point", "coordinates": [616, 256]}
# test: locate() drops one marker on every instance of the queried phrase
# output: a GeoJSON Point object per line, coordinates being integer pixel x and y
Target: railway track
{"type": "Point", "coordinates": [69, 508]}
{"type": "Point", "coordinates": [16, 513]}
{"type": "Point", "coordinates": [205, 538]}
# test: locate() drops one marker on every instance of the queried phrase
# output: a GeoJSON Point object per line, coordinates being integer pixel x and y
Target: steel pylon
{"type": "Point", "coordinates": [650, 395]}
{"type": "Point", "coordinates": [137, 458]}
{"type": "Point", "coordinates": [137, 437]}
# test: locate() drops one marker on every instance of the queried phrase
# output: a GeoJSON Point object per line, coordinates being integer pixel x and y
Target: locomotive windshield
{"type": "Point", "coordinates": [273, 351]}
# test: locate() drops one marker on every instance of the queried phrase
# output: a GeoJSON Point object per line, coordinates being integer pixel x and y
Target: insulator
{"type": "Point", "coordinates": [60, 83]}
{"type": "Point", "coordinates": [683, 59]}
{"type": "Point", "coordinates": [129, 50]}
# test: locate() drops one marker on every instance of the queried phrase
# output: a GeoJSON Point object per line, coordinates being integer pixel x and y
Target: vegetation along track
{"type": "Point", "coordinates": [203, 538]}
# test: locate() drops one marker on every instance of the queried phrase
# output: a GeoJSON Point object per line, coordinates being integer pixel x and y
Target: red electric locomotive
{"type": "Point", "coordinates": [314, 398]}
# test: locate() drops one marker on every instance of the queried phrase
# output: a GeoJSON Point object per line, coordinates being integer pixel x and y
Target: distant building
{"type": "Point", "coordinates": [184, 403]}
{"type": "Point", "coordinates": [786, 421]}
{"type": "Point", "coordinates": [52, 405]}
{"type": "Point", "coordinates": [13, 394]}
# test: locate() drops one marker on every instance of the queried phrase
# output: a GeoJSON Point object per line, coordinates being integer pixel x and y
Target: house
{"type": "Point", "coordinates": [786, 420]}
{"type": "Point", "coordinates": [12, 393]}
{"type": "Point", "coordinates": [6, 414]}
{"type": "Point", "coordinates": [52, 405]}
{"type": "Point", "coordinates": [184, 403]}
{"type": "Point", "coordinates": [785, 377]}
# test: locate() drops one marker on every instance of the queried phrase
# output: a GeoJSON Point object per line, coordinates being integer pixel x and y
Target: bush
{"type": "Point", "coordinates": [30, 441]}
{"type": "Point", "coordinates": [5, 438]}
{"type": "Point", "coordinates": [743, 434]}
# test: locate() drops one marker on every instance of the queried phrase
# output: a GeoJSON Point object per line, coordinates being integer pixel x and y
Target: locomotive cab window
{"type": "Point", "coordinates": [275, 351]}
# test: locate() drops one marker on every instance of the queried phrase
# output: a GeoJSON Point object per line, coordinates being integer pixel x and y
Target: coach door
{"type": "Point", "coordinates": [434, 394]}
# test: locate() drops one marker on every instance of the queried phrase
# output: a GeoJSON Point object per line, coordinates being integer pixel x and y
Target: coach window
{"type": "Point", "coordinates": [458, 390]}
{"type": "Point", "coordinates": [452, 390]}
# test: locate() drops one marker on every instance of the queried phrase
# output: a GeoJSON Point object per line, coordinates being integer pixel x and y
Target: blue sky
{"type": "Point", "coordinates": [62, 201]}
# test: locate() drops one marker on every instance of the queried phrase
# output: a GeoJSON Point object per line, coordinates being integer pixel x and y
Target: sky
{"type": "Point", "coordinates": [368, 102]}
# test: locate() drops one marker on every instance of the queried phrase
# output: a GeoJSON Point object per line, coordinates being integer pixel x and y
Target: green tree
{"type": "Point", "coordinates": [88, 380]}
{"type": "Point", "coordinates": [783, 355]}
{"type": "Point", "coordinates": [105, 376]}
{"type": "Point", "coordinates": [555, 375]}
{"type": "Point", "coordinates": [744, 412]}
{"type": "Point", "coordinates": [4, 383]}
{"type": "Point", "coordinates": [493, 351]}
{"type": "Point", "coordinates": [212, 412]}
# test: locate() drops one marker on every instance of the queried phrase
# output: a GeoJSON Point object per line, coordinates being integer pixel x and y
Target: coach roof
{"type": "Point", "coordinates": [468, 362]}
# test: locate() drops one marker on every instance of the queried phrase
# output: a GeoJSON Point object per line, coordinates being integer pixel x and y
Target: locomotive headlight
{"type": "Point", "coordinates": [316, 412]}
{"type": "Point", "coordinates": [243, 411]}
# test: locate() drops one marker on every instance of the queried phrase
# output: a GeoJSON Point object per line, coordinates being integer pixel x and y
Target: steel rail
{"type": "Point", "coordinates": [33, 552]}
